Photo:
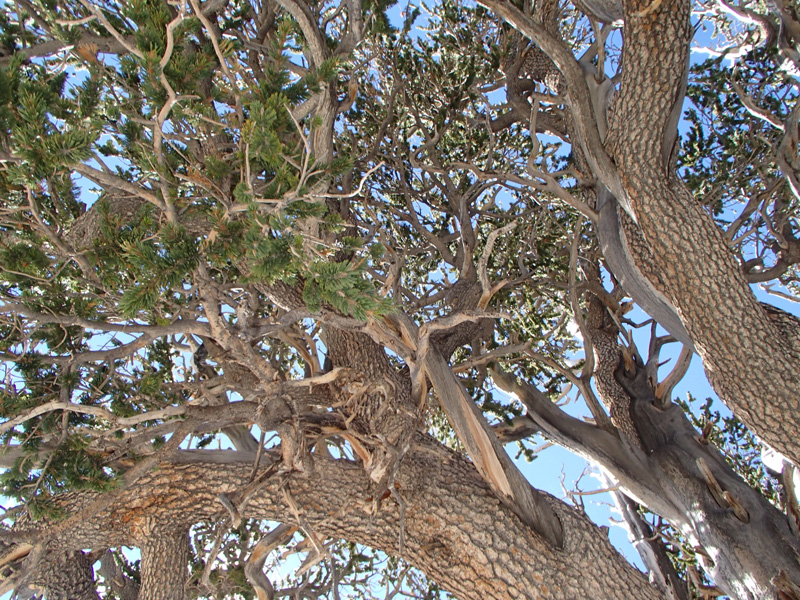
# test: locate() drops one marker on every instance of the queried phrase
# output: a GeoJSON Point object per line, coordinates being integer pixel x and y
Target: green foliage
{"type": "Point", "coordinates": [46, 127]}
{"type": "Point", "coordinates": [156, 269]}
{"type": "Point", "coordinates": [342, 286]}
{"type": "Point", "coordinates": [154, 200]}
{"type": "Point", "coordinates": [237, 176]}
{"type": "Point", "coordinates": [67, 467]}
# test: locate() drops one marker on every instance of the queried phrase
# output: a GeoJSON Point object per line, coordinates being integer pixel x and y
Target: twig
{"type": "Point", "coordinates": [358, 190]}
{"type": "Point", "coordinates": [211, 559]}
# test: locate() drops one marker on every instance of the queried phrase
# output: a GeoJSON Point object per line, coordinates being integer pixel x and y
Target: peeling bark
{"type": "Point", "coordinates": [488, 454]}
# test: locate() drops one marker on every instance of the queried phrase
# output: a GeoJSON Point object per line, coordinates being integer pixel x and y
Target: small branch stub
{"type": "Point", "coordinates": [723, 497]}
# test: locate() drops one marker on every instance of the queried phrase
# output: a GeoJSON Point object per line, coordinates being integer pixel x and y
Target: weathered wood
{"type": "Point", "coordinates": [749, 362]}
{"type": "Point", "coordinates": [489, 456]}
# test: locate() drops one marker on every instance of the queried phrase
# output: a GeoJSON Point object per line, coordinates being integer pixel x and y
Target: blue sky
{"type": "Point", "coordinates": [556, 467]}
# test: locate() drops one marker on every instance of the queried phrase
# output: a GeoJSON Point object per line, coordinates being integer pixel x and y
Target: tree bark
{"type": "Point", "coordinates": [455, 528]}
{"type": "Point", "coordinates": [744, 543]}
{"type": "Point", "coordinates": [750, 364]}
{"type": "Point", "coordinates": [165, 557]}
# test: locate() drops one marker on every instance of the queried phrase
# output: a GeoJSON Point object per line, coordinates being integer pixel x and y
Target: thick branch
{"type": "Point", "coordinates": [487, 453]}
{"type": "Point", "coordinates": [627, 465]}
{"type": "Point", "coordinates": [687, 255]}
{"type": "Point", "coordinates": [454, 528]}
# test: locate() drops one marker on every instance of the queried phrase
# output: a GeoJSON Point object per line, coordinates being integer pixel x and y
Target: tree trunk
{"type": "Point", "coordinates": [165, 558]}
{"type": "Point", "coordinates": [750, 364]}
{"type": "Point", "coordinates": [743, 541]}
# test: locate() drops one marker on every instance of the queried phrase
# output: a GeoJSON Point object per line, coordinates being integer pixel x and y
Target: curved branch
{"type": "Point", "coordinates": [615, 245]}
{"type": "Point", "coordinates": [579, 96]}
{"type": "Point", "coordinates": [308, 25]}
{"type": "Point", "coordinates": [627, 464]}
{"type": "Point", "coordinates": [253, 570]}
{"type": "Point", "coordinates": [445, 499]}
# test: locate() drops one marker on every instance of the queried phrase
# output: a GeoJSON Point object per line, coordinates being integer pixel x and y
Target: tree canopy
{"type": "Point", "coordinates": [285, 284]}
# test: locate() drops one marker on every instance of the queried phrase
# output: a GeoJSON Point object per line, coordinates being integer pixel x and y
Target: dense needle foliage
{"type": "Point", "coordinates": [195, 194]}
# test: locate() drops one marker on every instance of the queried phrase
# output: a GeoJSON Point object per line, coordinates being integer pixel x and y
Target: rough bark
{"type": "Point", "coordinates": [749, 362]}
{"type": "Point", "coordinates": [607, 357]}
{"type": "Point", "coordinates": [454, 527]}
{"type": "Point", "coordinates": [439, 513]}
{"type": "Point", "coordinates": [751, 365]}
{"type": "Point", "coordinates": [745, 544]}
{"type": "Point", "coordinates": [745, 551]}
{"type": "Point", "coordinates": [165, 557]}
{"type": "Point", "coordinates": [488, 454]}
{"type": "Point", "coordinates": [65, 575]}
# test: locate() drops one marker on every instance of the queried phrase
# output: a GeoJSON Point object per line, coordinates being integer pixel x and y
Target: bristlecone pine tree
{"type": "Point", "coordinates": [279, 280]}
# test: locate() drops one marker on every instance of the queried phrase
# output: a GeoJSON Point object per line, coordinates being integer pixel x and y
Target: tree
{"type": "Point", "coordinates": [312, 235]}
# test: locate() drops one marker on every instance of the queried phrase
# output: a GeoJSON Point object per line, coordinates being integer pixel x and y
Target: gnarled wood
{"type": "Point", "coordinates": [687, 255]}
{"type": "Point", "coordinates": [488, 454]}
{"type": "Point", "coordinates": [455, 528]}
